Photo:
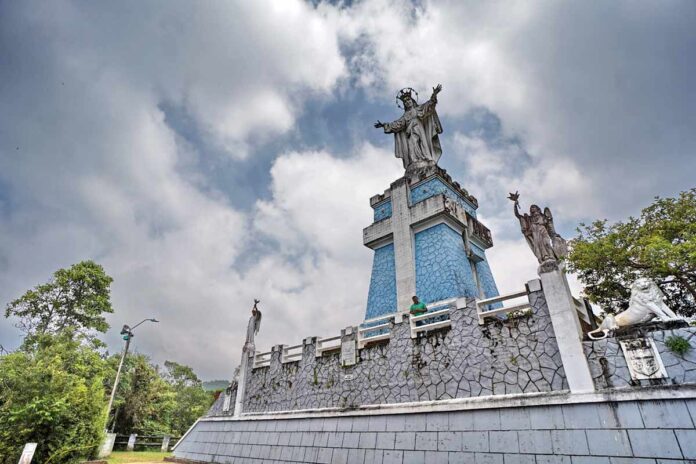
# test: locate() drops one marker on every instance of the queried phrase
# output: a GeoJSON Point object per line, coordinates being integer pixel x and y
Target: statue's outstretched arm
{"type": "Point", "coordinates": [515, 198]}
{"type": "Point", "coordinates": [436, 90]}
{"type": "Point", "coordinates": [390, 127]}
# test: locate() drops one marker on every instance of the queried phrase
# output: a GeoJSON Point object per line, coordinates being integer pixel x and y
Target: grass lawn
{"type": "Point", "coordinates": [124, 457]}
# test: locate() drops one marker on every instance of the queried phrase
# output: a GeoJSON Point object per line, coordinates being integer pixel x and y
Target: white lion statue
{"type": "Point", "coordinates": [647, 302]}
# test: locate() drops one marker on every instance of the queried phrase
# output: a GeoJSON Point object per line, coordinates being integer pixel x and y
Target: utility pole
{"type": "Point", "coordinates": [127, 333]}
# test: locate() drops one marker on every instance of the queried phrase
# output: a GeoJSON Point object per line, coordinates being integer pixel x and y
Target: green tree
{"type": "Point", "coordinates": [191, 400]}
{"type": "Point", "coordinates": [53, 395]}
{"type": "Point", "coordinates": [660, 245]}
{"type": "Point", "coordinates": [151, 401]}
{"type": "Point", "coordinates": [144, 402]}
{"type": "Point", "coordinates": [75, 298]}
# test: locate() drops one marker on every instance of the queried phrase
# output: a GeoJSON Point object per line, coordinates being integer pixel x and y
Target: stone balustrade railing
{"type": "Point", "coordinates": [439, 355]}
{"type": "Point", "coordinates": [292, 353]}
{"type": "Point", "coordinates": [262, 359]}
{"type": "Point", "coordinates": [328, 344]}
{"type": "Point", "coordinates": [484, 311]}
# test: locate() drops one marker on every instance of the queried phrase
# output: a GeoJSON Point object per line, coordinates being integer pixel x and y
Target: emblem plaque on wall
{"type": "Point", "coordinates": [643, 359]}
{"type": "Point", "coordinates": [348, 354]}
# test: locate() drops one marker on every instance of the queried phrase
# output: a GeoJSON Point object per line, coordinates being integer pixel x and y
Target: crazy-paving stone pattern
{"type": "Point", "coordinates": [442, 267]}
{"type": "Point", "coordinates": [436, 186]}
{"type": "Point", "coordinates": [636, 432]}
{"type": "Point", "coordinates": [381, 299]}
{"type": "Point", "coordinates": [382, 211]}
{"type": "Point", "coordinates": [217, 408]}
{"type": "Point", "coordinates": [609, 369]}
{"type": "Point", "coordinates": [512, 356]}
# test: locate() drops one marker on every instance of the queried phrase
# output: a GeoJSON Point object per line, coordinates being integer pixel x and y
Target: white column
{"type": "Point", "coordinates": [403, 245]}
{"type": "Point", "coordinates": [131, 442]}
{"type": "Point", "coordinates": [107, 445]}
{"type": "Point", "coordinates": [241, 383]}
{"type": "Point", "coordinates": [568, 331]}
{"type": "Point", "coordinates": [27, 453]}
{"type": "Point", "coordinates": [165, 443]}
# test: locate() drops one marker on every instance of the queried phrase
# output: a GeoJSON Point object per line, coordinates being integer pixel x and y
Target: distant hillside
{"type": "Point", "coordinates": [213, 385]}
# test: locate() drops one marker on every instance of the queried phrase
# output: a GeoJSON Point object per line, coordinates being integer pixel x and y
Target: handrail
{"type": "Point", "coordinates": [439, 312]}
{"type": "Point", "coordinates": [260, 361]}
{"type": "Point", "coordinates": [382, 330]}
{"type": "Point", "coordinates": [434, 325]}
{"type": "Point", "coordinates": [382, 317]}
{"type": "Point", "coordinates": [320, 349]}
{"type": "Point", "coordinates": [483, 314]}
{"type": "Point", "coordinates": [374, 327]}
{"type": "Point", "coordinates": [287, 357]}
{"type": "Point", "coordinates": [437, 304]}
{"type": "Point", "coordinates": [500, 298]}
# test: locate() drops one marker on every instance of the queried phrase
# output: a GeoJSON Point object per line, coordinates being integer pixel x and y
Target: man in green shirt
{"type": "Point", "coordinates": [418, 308]}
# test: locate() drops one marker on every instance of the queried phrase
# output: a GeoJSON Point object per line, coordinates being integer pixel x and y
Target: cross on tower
{"type": "Point", "coordinates": [430, 224]}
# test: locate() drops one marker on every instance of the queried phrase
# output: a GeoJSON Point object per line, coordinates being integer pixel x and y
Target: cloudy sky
{"type": "Point", "coordinates": [206, 153]}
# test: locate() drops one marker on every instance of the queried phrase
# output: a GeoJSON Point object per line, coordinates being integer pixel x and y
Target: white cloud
{"type": "Point", "coordinates": [318, 282]}
{"type": "Point", "coordinates": [494, 167]}
{"type": "Point", "coordinates": [591, 92]}
{"type": "Point", "coordinates": [95, 172]}
{"type": "Point", "coordinates": [91, 167]}
{"type": "Point", "coordinates": [323, 201]}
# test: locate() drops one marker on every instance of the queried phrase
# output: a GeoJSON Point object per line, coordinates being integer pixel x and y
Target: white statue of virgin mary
{"type": "Point", "coordinates": [416, 139]}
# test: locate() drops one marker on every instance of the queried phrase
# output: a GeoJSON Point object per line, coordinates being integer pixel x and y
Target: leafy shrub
{"type": "Point", "coordinates": [53, 396]}
{"type": "Point", "coordinates": [677, 344]}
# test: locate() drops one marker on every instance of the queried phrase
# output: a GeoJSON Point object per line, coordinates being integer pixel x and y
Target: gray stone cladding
{"type": "Point", "coordinates": [513, 356]}
{"type": "Point", "coordinates": [217, 408]}
{"type": "Point", "coordinates": [640, 432]}
{"type": "Point", "coordinates": [609, 369]}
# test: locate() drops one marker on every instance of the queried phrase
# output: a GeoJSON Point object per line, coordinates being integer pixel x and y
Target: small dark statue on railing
{"type": "Point", "coordinates": [538, 229]}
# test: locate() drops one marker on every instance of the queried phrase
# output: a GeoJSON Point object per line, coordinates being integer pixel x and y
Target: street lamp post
{"type": "Point", "coordinates": [127, 333]}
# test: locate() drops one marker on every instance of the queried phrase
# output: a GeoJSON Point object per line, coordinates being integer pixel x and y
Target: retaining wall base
{"type": "Point", "coordinates": [619, 429]}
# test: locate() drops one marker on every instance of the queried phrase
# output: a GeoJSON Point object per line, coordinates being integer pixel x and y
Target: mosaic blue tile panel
{"type": "Point", "coordinates": [383, 211]}
{"type": "Point", "coordinates": [436, 186]}
{"type": "Point", "coordinates": [381, 298]}
{"type": "Point", "coordinates": [490, 289]}
{"type": "Point", "coordinates": [477, 250]}
{"type": "Point", "coordinates": [442, 267]}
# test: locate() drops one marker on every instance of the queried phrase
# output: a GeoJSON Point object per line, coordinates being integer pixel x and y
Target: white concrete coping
{"type": "Point", "coordinates": [562, 397]}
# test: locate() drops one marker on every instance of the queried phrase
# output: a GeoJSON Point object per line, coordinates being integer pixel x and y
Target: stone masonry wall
{"type": "Point", "coordinates": [609, 369]}
{"type": "Point", "coordinates": [637, 432]}
{"type": "Point", "coordinates": [468, 360]}
{"type": "Point", "coordinates": [217, 408]}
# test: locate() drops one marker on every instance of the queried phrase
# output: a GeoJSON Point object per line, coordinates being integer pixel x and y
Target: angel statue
{"type": "Point", "coordinates": [253, 327]}
{"type": "Point", "coordinates": [539, 231]}
{"type": "Point", "coordinates": [416, 139]}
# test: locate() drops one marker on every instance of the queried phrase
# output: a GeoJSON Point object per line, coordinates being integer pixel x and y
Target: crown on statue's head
{"type": "Point", "coordinates": [403, 93]}
{"type": "Point", "coordinates": [406, 92]}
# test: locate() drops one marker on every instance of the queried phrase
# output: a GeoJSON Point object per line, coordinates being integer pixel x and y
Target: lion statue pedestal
{"type": "Point", "coordinates": [646, 304]}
